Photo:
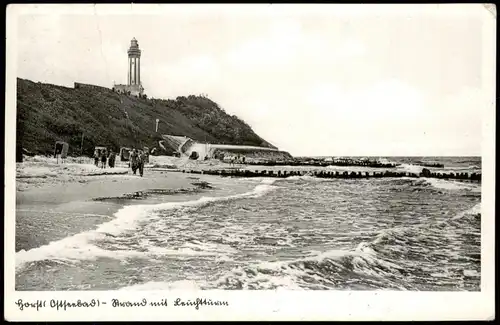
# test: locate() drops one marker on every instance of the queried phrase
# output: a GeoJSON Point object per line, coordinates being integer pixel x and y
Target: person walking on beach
{"type": "Point", "coordinates": [111, 159]}
{"type": "Point", "coordinates": [103, 159]}
{"type": "Point", "coordinates": [141, 161]}
{"type": "Point", "coordinates": [96, 157]}
{"type": "Point", "coordinates": [134, 160]}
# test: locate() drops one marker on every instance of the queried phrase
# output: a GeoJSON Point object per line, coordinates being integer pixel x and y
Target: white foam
{"type": "Point", "coordinates": [475, 210]}
{"type": "Point", "coordinates": [127, 218]}
{"type": "Point", "coordinates": [71, 249]}
{"type": "Point", "coordinates": [268, 181]}
{"type": "Point", "coordinates": [80, 247]}
{"type": "Point", "coordinates": [386, 161]}
{"type": "Point", "coordinates": [440, 275]}
{"type": "Point", "coordinates": [363, 257]}
{"type": "Point", "coordinates": [160, 285]}
{"type": "Point", "coordinates": [289, 274]}
{"type": "Point", "coordinates": [411, 168]}
{"type": "Point", "coordinates": [210, 247]}
{"type": "Point", "coordinates": [452, 185]}
{"type": "Point", "coordinates": [472, 273]}
{"type": "Point", "coordinates": [305, 178]}
{"type": "Point", "coordinates": [348, 168]}
{"type": "Point", "coordinates": [161, 251]}
{"type": "Point", "coordinates": [252, 277]}
{"type": "Point", "coordinates": [462, 168]}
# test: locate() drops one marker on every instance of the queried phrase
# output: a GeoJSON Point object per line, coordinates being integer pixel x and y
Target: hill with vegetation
{"type": "Point", "coordinates": [47, 113]}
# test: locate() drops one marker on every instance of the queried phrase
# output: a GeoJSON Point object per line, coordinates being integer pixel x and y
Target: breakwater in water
{"type": "Point", "coordinates": [333, 174]}
{"type": "Point", "coordinates": [371, 164]}
{"type": "Point", "coordinates": [429, 164]}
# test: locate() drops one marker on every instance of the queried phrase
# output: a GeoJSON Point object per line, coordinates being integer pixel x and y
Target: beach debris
{"type": "Point", "coordinates": [202, 184]}
{"type": "Point", "coordinates": [140, 195]}
{"type": "Point", "coordinates": [34, 176]}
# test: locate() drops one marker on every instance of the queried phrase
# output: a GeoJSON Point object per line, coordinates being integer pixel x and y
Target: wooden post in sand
{"type": "Point", "coordinates": [81, 146]}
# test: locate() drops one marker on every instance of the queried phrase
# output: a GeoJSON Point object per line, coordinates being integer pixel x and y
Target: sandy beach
{"type": "Point", "coordinates": [66, 199]}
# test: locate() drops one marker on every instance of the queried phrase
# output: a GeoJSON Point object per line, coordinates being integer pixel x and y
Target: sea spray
{"type": "Point", "coordinates": [474, 211]}
{"type": "Point", "coordinates": [452, 185]}
{"type": "Point", "coordinates": [411, 168]}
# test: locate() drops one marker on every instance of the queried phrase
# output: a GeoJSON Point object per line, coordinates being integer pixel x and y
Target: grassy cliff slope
{"type": "Point", "coordinates": [47, 113]}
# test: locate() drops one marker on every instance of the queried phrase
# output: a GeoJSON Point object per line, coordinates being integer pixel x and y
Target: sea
{"type": "Point", "coordinates": [295, 233]}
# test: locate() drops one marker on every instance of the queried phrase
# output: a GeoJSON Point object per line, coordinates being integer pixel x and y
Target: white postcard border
{"type": "Point", "coordinates": [260, 305]}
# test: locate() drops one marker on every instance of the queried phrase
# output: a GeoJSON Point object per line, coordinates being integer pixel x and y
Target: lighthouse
{"type": "Point", "coordinates": [134, 63]}
{"type": "Point", "coordinates": [134, 85]}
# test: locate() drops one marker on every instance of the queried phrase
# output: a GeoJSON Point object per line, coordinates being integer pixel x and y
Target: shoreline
{"type": "Point", "coordinates": [122, 231]}
{"type": "Point", "coordinates": [71, 206]}
{"type": "Point", "coordinates": [67, 199]}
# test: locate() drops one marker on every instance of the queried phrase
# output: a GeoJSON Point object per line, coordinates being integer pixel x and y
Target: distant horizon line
{"type": "Point", "coordinates": [383, 156]}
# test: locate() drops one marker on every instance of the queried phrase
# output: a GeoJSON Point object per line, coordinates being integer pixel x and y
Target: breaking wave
{"type": "Point", "coordinates": [82, 246]}
{"type": "Point", "coordinates": [475, 211]}
{"type": "Point", "coordinates": [381, 263]}
{"type": "Point", "coordinates": [452, 185]}
{"type": "Point", "coordinates": [409, 168]}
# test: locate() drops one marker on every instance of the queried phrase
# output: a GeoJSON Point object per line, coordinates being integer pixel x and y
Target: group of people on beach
{"type": "Point", "coordinates": [137, 161]}
{"type": "Point", "coordinates": [236, 160]}
{"type": "Point", "coordinates": [102, 156]}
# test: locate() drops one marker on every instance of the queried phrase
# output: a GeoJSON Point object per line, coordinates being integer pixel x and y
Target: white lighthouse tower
{"type": "Point", "coordinates": [134, 85]}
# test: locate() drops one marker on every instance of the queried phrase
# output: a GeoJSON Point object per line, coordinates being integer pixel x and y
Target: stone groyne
{"type": "Point", "coordinates": [429, 164]}
{"type": "Point", "coordinates": [333, 174]}
{"type": "Point", "coordinates": [371, 164]}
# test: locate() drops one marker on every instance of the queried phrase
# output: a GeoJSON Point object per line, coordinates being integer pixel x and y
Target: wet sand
{"type": "Point", "coordinates": [69, 207]}
{"type": "Point", "coordinates": [101, 186]}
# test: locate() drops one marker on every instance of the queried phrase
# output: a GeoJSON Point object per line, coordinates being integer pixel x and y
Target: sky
{"type": "Point", "coordinates": [320, 81]}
